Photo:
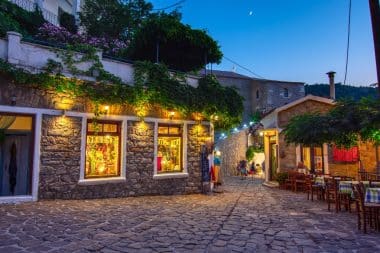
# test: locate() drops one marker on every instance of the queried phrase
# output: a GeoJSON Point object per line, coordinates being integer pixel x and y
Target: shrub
{"type": "Point", "coordinates": [29, 21]}
{"type": "Point", "coordinates": [67, 21]}
{"type": "Point", "coordinates": [8, 24]}
{"type": "Point", "coordinates": [281, 177]}
{"type": "Point", "coordinates": [52, 33]}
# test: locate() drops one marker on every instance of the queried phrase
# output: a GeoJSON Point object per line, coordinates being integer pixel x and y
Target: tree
{"type": "Point", "coordinates": [116, 19]}
{"type": "Point", "coordinates": [178, 45]}
{"type": "Point", "coordinates": [345, 124]}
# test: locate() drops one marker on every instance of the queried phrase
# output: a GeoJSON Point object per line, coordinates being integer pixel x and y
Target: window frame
{"type": "Point", "coordinates": [118, 133]}
{"type": "Point", "coordinates": [180, 135]}
{"type": "Point", "coordinates": [184, 173]}
{"type": "Point", "coordinates": [286, 92]}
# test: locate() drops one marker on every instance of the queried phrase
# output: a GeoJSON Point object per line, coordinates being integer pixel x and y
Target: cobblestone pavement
{"type": "Point", "coordinates": [247, 217]}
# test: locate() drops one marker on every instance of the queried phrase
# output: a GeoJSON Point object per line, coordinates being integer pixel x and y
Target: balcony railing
{"type": "Point", "coordinates": [30, 5]}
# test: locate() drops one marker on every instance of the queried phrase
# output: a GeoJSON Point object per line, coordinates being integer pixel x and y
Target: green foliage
{"type": "Point", "coordinates": [28, 22]}
{"type": "Point", "coordinates": [154, 85]}
{"type": "Point", "coordinates": [113, 18]}
{"type": "Point", "coordinates": [67, 21]}
{"type": "Point", "coordinates": [252, 150]}
{"type": "Point", "coordinates": [180, 47]}
{"type": "Point", "coordinates": [8, 24]}
{"type": "Point", "coordinates": [343, 125]}
{"type": "Point", "coordinates": [342, 91]}
{"type": "Point", "coordinates": [281, 177]}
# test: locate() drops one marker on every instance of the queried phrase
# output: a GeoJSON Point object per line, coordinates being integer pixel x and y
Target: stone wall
{"type": "Point", "coordinates": [306, 107]}
{"type": "Point", "coordinates": [367, 154]}
{"type": "Point", "coordinates": [271, 94]}
{"type": "Point", "coordinates": [60, 153]}
{"type": "Point", "coordinates": [232, 151]}
{"type": "Point", "coordinates": [60, 157]}
{"type": "Point", "coordinates": [287, 155]}
{"type": "Point", "coordinates": [60, 163]}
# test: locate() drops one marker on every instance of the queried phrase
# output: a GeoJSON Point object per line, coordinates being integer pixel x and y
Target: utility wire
{"type": "Point", "coordinates": [170, 6]}
{"type": "Point", "coordinates": [247, 69]}
{"type": "Point", "coordinates": [348, 41]}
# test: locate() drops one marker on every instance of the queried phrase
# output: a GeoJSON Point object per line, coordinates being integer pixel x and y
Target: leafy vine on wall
{"type": "Point", "coordinates": [153, 85]}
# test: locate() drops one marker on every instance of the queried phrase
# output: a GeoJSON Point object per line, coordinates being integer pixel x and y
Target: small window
{"type": "Point", "coordinates": [102, 149]}
{"type": "Point", "coordinates": [169, 149]}
{"type": "Point", "coordinates": [346, 155]}
{"type": "Point", "coordinates": [257, 94]}
{"type": "Point", "coordinates": [286, 92]}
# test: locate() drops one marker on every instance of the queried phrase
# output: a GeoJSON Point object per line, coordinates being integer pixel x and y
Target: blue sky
{"type": "Point", "coordinates": [293, 40]}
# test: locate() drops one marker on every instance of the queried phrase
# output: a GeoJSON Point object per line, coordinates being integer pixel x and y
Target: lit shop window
{"type": "Point", "coordinates": [169, 149]}
{"type": "Point", "coordinates": [102, 149]}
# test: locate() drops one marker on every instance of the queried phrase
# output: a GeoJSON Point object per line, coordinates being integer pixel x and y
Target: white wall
{"type": "Point", "coordinates": [34, 58]}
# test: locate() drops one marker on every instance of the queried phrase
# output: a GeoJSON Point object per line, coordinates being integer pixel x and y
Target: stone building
{"type": "Point", "coordinates": [281, 156]}
{"type": "Point", "coordinates": [52, 145]}
{"type": "Point", "coordinates": [260, 95]}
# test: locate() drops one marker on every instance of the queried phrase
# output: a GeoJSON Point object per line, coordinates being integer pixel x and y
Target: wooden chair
{"type": "Point", "coordinates": [332, 194]}
{"type": "Point", "coordinates": [299, 182]}
{"type": "Point", "coordinates": [364, 212]}
{"type": "Point", "coordinates": [289, 182]}
{"type": "Point", "coordinates": [311, 188]}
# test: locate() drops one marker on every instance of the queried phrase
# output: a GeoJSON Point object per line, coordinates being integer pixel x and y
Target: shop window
{"type": "Point", "coordinates": [345, 155]}
{"type": "Point", "coordinates": [169, 149]}
{"type": "Point", "coordinates": [103, 149]}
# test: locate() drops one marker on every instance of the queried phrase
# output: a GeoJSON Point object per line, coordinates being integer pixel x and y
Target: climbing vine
{"type": "Point", "coordinates": [153, 85]}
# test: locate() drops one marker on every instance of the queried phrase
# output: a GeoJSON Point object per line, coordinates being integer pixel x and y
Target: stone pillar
{"type": "Point", "coordinates": [14, 47]}
{"type": "Point", "coordinates": [76, 10]}
{"type": "Point", "coordinates": [325, 153]}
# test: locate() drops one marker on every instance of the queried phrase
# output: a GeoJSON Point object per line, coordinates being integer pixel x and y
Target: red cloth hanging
{"type": "Point", "coordinates": [345, 155]}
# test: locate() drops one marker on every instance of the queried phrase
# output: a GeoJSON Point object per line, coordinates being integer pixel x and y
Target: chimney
{"type": "Point", "coordinates": [331, 75]}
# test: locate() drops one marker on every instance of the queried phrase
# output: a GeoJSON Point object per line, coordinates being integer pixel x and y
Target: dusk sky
{"type": "Point", "coordinates": [292, 40]}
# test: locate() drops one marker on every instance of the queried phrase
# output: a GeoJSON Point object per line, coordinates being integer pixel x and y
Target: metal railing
{"type": "Point", "coordinates": [30, 5]}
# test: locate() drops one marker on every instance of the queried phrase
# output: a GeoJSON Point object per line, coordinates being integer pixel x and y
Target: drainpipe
{"type": "Point", "coordinates": [331, 76]}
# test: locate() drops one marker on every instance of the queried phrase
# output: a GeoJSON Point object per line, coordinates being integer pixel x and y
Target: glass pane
{"type": "Point", "coordinates": [306, 157]}
{"type": "Point", "coordinates": [102, 156]}
{"type": "Point", "coordinates": [169, 154]}
{"type": "Point", "coordinates": [110, 128]}
{"type": "Point", "coordinates": [94, 127]}
{"type": "Point", "coordinates": [174, 130]}
{"type": "Point", "coordinates": [162, 130]}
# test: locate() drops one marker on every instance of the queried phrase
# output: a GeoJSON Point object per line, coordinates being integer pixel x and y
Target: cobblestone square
{"type": "Point", "coordinates": [247, 217]}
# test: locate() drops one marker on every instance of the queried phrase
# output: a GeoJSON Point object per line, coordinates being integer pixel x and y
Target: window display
{"type": "Point", "coordinates": [102, 149]}
{"type": "Point", "coordinates": [169, 149]}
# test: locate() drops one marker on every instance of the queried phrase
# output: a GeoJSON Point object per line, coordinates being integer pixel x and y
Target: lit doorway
{"type": "Point", "coordinates": [273, 161]}
{"type": "Point", "coordinates": [16, 154]}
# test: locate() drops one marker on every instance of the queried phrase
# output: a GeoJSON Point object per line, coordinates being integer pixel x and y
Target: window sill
{"type": "Point", "coordinates": [95, 181]}
{"type": "Point", "coordinates": [171, 175]}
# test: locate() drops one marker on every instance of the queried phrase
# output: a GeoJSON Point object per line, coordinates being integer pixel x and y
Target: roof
{"type": "Point", "coordinates": [231, 74]}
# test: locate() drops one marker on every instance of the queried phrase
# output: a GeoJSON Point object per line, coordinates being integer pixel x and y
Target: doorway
{"type": "Point", "coordinates": [16, 154]}
{"type": "Point", "coordinates": [273, 164]}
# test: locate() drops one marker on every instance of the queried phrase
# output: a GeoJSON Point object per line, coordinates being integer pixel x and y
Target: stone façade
{"type": "Point", "coordinates": [60, 150]}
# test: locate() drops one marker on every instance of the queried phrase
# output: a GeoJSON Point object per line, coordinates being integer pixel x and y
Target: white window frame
{"type": "Point", "coordinates": [184, 172]}
{"type": "Point", "coordinates": [123, 139]}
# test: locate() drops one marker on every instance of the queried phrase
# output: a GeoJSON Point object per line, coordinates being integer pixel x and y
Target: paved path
{"type": "Point", "coordinates": [246, 218]}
